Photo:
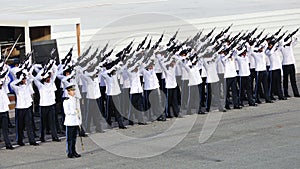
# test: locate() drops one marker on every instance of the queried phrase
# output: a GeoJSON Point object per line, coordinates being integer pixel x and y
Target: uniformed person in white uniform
{"type": "Point", "coordinates": [72, 120]}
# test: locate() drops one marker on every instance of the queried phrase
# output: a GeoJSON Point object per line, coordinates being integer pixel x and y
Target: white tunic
{"type": "Point", "coordinates": [72, 111]}
{"type": "Point", "coordinates": [274, 57]}
{"type": "Point", "coordinates": [184, 72]}
{"type": "Point", "coordinates": [243, 64]}
{"type": "Point", "coordinates": [4, 98]}
{"type": "Point", "coordinates": [112, 84]}
{"type": "Point", "coordinates": [260, 60]}
{"type": "Point", "coordinates": [47, 92]}
{"type": "Point", "coordinates": [220, 66]}
{"type": "Point", "coordinates": [23, 94]}
{"type": "Point", "coordinates": [194, 75]}
{"type": "Point", "coordinates": [150, 79]}
{"type": "Point", "coordinates": [229, 65]}
{"type": "Point", "coordinates": [288, 54]}
{"type": "Point", "coordinates": [92, 88]}
{"type": "Point", "coordinates": [210, 67]}
{"type": "Point", "coordinates": [135, 82]}
{"type": "Point", "coordinates": [170, 76]}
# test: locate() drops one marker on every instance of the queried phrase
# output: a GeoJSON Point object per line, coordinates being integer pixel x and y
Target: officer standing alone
{"type": "Point", "coordinates": [72, 120]}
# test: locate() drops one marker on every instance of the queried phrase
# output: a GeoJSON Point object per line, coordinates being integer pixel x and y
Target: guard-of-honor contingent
{"type": "Point", "coordinates": [148, 82]}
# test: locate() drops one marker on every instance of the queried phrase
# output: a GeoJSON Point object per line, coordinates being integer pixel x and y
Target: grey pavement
{"type": "Point", "coordinates": [267, 136]}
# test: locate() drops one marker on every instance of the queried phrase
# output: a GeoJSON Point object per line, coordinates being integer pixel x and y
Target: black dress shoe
{"type": "Point", "coordinates": [122, 127]}
{"type": "Point", "coordinates": [202, 113]}
{"type": "Point", "coordinates": [85, 135]}
{"type": "Point", "coordinates": [61, 132]}
{"type": "Point", "coordinates": [287, 95]}
{"type": "Point", "coordinates": [42, 140]}
{"type": "Point", "coordinates": [76, 155]}
{"type": "Point", "coordinates": [258, 101]}
{"type": "Point", "coordinates": [56, 139]}
{"type": "Point", "coordinates": [131, 123]}
{"type": "Point", "coordinates": [237, 107]}
{"type": "Point", "coordinates": [272, 98]}
{"type": "Point", "coordinates": [227, 107]}
{"type": "Point", "coordinates": [10, 147]}
{"type": "Point", "coordinates": [269, 101]}
{"type": "Point", "coordinates": [252, 104]}
{"type": "Point", "coordinates": [34, 144]}
{"type": "Point", "coordinates": [297, 95]}
{"type": "Point", "coordinates": [71, 156]}
{"type": "Point", "coordinates": [169, 117]}
{"type": "Point", "coordinates": [161, 119]}
{"type": "Point", "coordinates": [282, 98]}
{"type": "Point", "coordinates": [21, 144]}
{"type": "Point", "coordinates": [142, 123]}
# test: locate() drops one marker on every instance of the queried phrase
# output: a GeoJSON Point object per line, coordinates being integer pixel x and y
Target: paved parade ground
{"type": "Point", "coordinates": [266, 136]}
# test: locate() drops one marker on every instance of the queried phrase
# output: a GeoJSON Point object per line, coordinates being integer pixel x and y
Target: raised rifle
{"type": "Point", "coordinates": [259, 35]}
{"type": "Point", "coordinates": [12, 48]}
{"type": "Point", "coordinates": [172, 38]}
{"type": "Point", "coordinates": [226, 30]}
{"type": "Point", "coordinates": [142, 43]}
{"type": "Point", "coordinates": [159, 41]}
{"type": "Point", "coordinates": [277, 33]}
{"type": "Point", "coordinates": [290, 35]}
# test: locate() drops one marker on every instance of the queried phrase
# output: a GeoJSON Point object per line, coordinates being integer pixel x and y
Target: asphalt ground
{"type": "Point", "coordinates": [266, 136]}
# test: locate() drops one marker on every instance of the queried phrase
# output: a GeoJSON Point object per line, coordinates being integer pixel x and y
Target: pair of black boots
{"type": "Point", "coordinates": [74, 155]}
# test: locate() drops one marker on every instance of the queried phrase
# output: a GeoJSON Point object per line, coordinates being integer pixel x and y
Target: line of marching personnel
{"type": "Point", "coordinates": [149, 83]}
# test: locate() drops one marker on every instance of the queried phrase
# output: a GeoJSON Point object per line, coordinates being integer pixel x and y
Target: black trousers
{"type": "Point", "coordinates": [93, 112]}
{"type": "Point", "coordinates": [24, 119]}
{"type": "Point", "coordinates": [262, 78]}
{"type": "Point", "coordinates": [32, 119]}
{"type": "Point", "coordinates": [203, 92]}
{"type": "Point", "coordinates": [245, 87]}
{"type": "Point", "coordinates": [113, 108]}
{"type": "Point", "coordinates": [71, 139]}
{"type": "Point", "coordinates": [158, 75]}
{"type": "Point", "coordinates": [172, 102]}
{"type": "Point", "coordinates": [231, 84]}
{"type": "Point", "coordinates": [179, 91]}
{"type": "Point", "coordinates": [289, 70]}
{"type": "Point", "coordinates": [4, 125]}
{"type": "Point", "coordinates": [152, 104]}
{"type": "Point", "coordinates": [275, 83]}
{"type": "Point", "coordinates": [252, 79]}
{"type": "Point", "coordinates": [103, 100]}
{"type": "Point", "coordinates": [194, 98]}
{"type": "Point", "coordinates": [136, 108]}
{"type": "Point", "coordinates": [47, 115]}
